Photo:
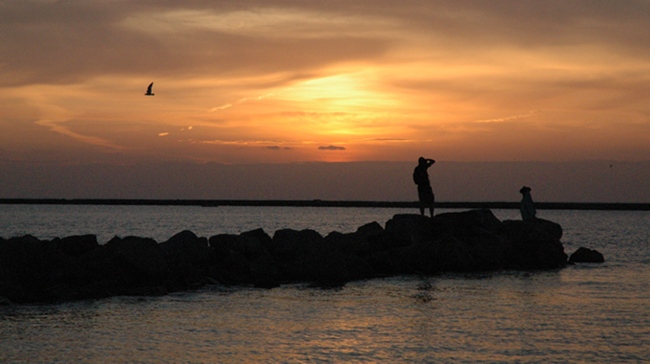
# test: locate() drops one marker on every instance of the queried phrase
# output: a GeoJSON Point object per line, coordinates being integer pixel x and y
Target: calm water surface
{"type": "Point", "coordinates": [584, 313]}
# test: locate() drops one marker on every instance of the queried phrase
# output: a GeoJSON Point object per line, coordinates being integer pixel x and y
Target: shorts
{"type": "Point", "coordinates": [425, 194]}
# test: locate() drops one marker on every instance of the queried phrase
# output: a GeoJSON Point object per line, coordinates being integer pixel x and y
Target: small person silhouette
{"type": "Point", "coordinates": [421, 178]}
{"type": "Point", "coordinates": [527, 208]}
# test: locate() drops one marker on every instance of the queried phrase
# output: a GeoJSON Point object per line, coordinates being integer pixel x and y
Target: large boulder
{"type": "Point", "coordinates": [135, 264]}
{"type": "Point", "coordinates": [33, 270]}
{"type": "Point", "coordinates": [444, 254]}
{"type": "Point", "coordinates": [481, 232]}
{"type": "Point", "coordinates": [359, 243]}
{"type": "Point", "coordinates": [244, 259]}
{"type": "Point", "coordinates": [586, 255]}
{"type": "Point", "coordinates": [77, 245]}
{"type": "Point", "coordinates": [289, 244]}
{"type": "Point", "coordinates": [534, 244]}
{"type": "Point", "coordinates": [141, 256]}
{"type": "Point", "coordinates": [261, 236]}
{"type": "Point", "coordinates": [23, 269]}
{"type": "Point", "coordinates": [188, 257]}
{"type": "Point", "coordinates": [186, 244]}
{"type": "Point", "coordinates": [406, 229]}
{"type": "Point", "coordinates": [470, 220]}
{"type": "Point", "coordinates": [306, 256]}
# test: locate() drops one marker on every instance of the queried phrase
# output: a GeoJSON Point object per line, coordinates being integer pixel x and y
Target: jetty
{"type": "Point", "coordinates": [78, 267]}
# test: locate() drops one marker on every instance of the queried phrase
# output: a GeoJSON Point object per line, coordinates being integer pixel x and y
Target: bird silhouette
{"type": "Point", "coordinates": [149, 93]}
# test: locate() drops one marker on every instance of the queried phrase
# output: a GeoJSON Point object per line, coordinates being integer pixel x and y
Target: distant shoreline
{"type": "Point", "coordinates": [329, 203]}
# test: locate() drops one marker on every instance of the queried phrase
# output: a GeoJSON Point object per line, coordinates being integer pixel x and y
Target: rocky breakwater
{"type": "Point", "coordinates": [77, 267]}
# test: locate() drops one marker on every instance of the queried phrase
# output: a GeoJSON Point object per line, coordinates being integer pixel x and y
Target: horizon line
{"type": "Point", "coordinates": [625, 206]}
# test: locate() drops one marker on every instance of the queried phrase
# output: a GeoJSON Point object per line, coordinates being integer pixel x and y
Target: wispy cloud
{"type": "Point", "coordinates": [509, 118]}
{"type": "Point", "coordinates": [56, 119]}
{"type": "Point", "coordinates": [58, 127]}
{"type": "Point", "coordinates": [331, 147]}
{"type": "Point", "coordinates": [240, 101]}
{"type": "Point", "coordinates": [242, 142]}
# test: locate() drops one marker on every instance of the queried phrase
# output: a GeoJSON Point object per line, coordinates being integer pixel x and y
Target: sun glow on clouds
{"type": "Point", "coordinates": [266, 22]}
{"type": "Point", "coordinates": [340, 92]}
{"type": "Point", "coordinates": [345, 106]}
{"type": "Point", "coordinates": [339, 108]}
{"type": "Point", "coordinates": [263, 81]}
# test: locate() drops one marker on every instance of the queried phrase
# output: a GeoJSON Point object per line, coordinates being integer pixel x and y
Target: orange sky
{"type": "Point", "coordinates": [296, 81]}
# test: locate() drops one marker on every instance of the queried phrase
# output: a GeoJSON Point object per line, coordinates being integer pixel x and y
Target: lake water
{"type": "Point", "coordinates": [583, 313]}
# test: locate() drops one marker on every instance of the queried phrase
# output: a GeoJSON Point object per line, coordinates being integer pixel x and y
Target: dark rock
{"type": "Point", "coordinates": [123, 266]}
{"type": "Point", "coordinates": [454, 255]}
{"type": "Point", "coordinates": [408, 229]}
{"type": "Point", "coordinates": [445, 254]}
{"type": "Point", "coordinates": [142, 257]}
{"type": "Point", "coordinates": [586, 255]}
{"type": "Point", "coordinates": [187, 245]}
{"type": "Point", "coordinates": [76, 267]}
{"type": "Point", "coordinates": [534, 244]}
{"type": "Point", "coordinates": [306, 256]}
{"type": "Point", "coordinates": [188, 257]}
{"type": "Point", "coordinates": [78, 244]}
{"type": "Point", "coordinates": [489, 251]}
{"type": "Point", "coordinates": [5, 301]}
{"type": "Point", "coordinates": [372, 228]}
{"type": "Point", "coordinates": [289, 244]}
{"type": "Point", "coordinates": [145, 291]}
{"type": "Point", "coordinates": [261, 236]}
{"type": "Point", "coordinates": [244, 259]}
{"type": "Point", "coordinates": [473, 219]}
{"type": "Point", "coordinates": [28, 266]}
{"type": "Point", "coordinates": [63, 292]}
{"type": "Point", "coordinates": [383, 262]}
{"type": "Point", "coordinates": [360, 243]}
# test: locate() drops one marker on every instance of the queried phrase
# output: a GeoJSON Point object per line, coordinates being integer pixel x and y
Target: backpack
{"type": "Point", "coordinates": [419, 178]}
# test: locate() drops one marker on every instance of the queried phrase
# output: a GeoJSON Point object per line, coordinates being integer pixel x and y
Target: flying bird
{"type": "Point", "coordinates": [149, 93]}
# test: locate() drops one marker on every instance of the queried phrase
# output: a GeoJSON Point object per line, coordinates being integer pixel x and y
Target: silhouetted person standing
{"type": "Point", "coordinates": [527, 207]}
{"type": "Point", "coordinates": [421, 178]}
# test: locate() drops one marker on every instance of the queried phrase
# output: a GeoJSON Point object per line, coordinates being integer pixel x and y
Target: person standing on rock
{"type": "Point", "coordinates": [527, 207]}
{"type": "Point", "coordinates": [421, 178]}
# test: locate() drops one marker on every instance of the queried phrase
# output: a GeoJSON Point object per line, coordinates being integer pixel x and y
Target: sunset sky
{"type": "Point", "coordinates": [276, 82]}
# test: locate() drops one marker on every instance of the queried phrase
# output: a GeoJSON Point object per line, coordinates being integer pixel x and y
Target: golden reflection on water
{"type": "Point", "coordinates": [507, 316]}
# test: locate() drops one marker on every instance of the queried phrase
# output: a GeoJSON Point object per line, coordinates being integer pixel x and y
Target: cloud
{"type": "Point", "coordinates": [389, 139]}
{"type": "Point", "coordinates": [331, 147]}
{"type": "Point", "coordinates": [57, 119]}
{"type": "Point", "coordinates": [277, 147]}
{"type": "Point", "coordinates": [373, 75]}
{"type": "Point", "coordinates": [57, 127]}
{"type": "Point", "coordinates": [222, 107]}
{"type": "Point", "coordinates": [58, 42]}
{"type": "Point", "coordinates": [509, 118]}
{"type": "Point", "coordinates": [41, 42]}
{"type": "Point", "coordinates": [245, 99]}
